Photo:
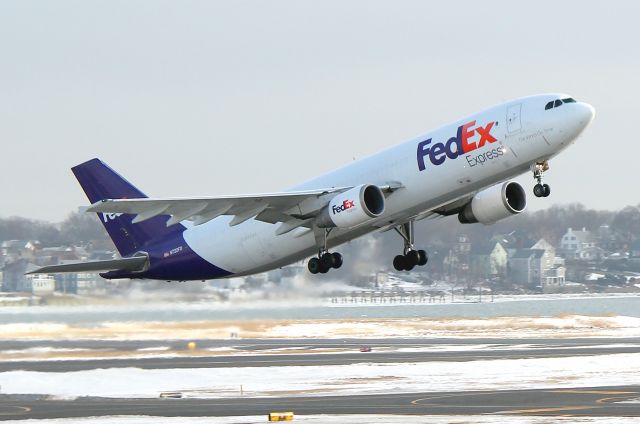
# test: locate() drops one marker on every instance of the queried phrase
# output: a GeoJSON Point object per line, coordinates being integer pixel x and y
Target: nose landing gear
{"type": "Point", "coordinates": [411, 256]}
{"type": "Point", "coordinates": [325, 260]}
{"type": "Point", "coordinates": [540, 189]}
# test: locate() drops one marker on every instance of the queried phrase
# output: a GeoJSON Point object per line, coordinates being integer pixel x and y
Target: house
{"type": "Point", "coordinates": [537, 266]}
{"type": "Point", "coordinates": [12, 250]}
{"type": "Point", "coordinates": [488, 261]}
{"type": "Point", "coordinates": [554, 277]}
{"type": "Point", "coordinates": [525, 266]}
{"type": "Point", "coordinates": [580, 244]}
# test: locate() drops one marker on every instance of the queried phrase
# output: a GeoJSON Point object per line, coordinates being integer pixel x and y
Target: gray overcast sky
{"type": "Point", "coordinates": [203, 98]}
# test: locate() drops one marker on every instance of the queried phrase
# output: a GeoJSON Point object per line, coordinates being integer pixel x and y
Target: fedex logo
{"type": "Point", "coordinates": [347, 204]}
{"type": "Point", "coordinates": [106, 217]}
{"type": "Point", "coordinates": [465, 141]}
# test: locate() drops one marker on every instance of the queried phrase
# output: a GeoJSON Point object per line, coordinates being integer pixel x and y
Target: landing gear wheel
{"type": "Point", "coordinates": [423, 257]}
{"type": "Point", "coordinates": [547, 190]}
{"type": "Point", "coordinates": [538, 190]}
{"type": "Point", "coordinates": [314, 265]}
{"type": "Point", "coordinates": [399, 263]}
{"type": "Point", "coordinates": [326, 261]}
{"type": "Point", "coordinates": [412, 258]}
{"type": "Point", "coordinates": [337, 260]}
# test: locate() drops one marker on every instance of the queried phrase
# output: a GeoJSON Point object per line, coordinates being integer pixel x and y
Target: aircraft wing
{"type": "Point", "coordinates": [136, 263]}
{"type": "Point", "coordinates": [294, 209]}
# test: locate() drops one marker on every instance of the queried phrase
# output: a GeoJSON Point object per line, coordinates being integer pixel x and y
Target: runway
{"type": "Point", "coordinates": [384, 351]}
{"type": "Point", "coordinates": [604, 400]}
{"type": "Point", "coordinates": [592, 401]}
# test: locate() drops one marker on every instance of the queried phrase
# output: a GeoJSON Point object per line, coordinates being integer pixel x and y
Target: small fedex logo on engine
{"type": "Point", "coordinates": [465, 141]}
{"type": "Point", "coordinates": [347, 204]}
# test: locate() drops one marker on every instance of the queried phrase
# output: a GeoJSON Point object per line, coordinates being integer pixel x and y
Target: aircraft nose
{"type": "Point", "coordinates": [586, 113]}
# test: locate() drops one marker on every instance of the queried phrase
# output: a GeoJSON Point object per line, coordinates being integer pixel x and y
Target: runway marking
{"type": "Point", "coordinates": [448, 396]}
{"type": "Point", "coordinates": [21, 409]}
{"type": "Point", "coordinates": [556, 409]}
{"type": "Point", "coordinates": [594, 392]}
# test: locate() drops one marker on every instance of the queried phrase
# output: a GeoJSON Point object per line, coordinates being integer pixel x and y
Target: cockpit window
{"type": "Point", "coordinates": [556, 103]}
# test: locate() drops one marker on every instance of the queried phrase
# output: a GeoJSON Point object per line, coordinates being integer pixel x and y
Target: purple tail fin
{"type": "Point", "coordinates": [100, 182]}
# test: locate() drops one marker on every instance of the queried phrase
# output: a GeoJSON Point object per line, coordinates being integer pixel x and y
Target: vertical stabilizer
{"type": "Point", "coordinates": [100, 182]}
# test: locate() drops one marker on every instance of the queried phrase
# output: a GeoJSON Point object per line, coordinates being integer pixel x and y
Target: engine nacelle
{"type": "Point", "coordinates": [495, 203]}
{"type": "Point", "coordinates": [353, 207]}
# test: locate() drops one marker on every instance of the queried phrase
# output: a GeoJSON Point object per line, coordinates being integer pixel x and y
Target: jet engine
{"type": "Point", "coordinates": [352, 207]}
{"type": "Point", "coordinates": [495, 203]}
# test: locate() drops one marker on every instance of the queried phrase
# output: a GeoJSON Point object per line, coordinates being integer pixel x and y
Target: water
{"type": "Point", "coordinates": [291, 309]}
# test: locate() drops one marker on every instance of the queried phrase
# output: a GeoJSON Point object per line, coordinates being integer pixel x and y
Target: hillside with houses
{"type": "Point", "coordinates": [563, 249]}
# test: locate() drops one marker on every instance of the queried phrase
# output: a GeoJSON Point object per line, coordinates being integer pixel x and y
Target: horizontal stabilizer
{"type": "Point", "coordinates": [136, 263]}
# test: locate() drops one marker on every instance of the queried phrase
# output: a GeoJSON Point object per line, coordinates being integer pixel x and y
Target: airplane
{"type": "Point", "coordinates": [464, 168]}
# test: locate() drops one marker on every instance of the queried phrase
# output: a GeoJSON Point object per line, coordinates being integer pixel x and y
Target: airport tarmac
{"type": "Point", "coordinates": [264, 353]}
{"type": "Point", "coordinates": [592, 402]}
{"type": "Point", "coordinates": [604, 400]}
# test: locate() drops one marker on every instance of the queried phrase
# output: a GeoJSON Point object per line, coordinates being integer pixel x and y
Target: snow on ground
{"type": "Point", "coordinates": [340, 419]}
{"type": "Point", "coordinates": [64, 354]}
{"type": "Point", "coordinates": [362, 378]}
{"type": "Point", "coordinates": [514, 327]}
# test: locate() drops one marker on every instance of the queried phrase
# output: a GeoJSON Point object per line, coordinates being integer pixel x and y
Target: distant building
{"type": "Point", "coordinates": [489, 261]}
{"type": "Point", "coordinates": [457, 262]}
{"type": "Point", "coordinates": [39, 284]}
{"type": "Point", "coordinates": [537, 266]}
{"type": "Point", "coordinates": [12, 250]}
{"type": "Point", "coordinates": [13, 278]}
{"type": "Point", "coordinates": [60, 254]}
{"type": "Point", "coordinates": [580, 244]}
{"type": "Point", "coordinates": [609, 241]}
{"type": "Point", "coordinates": [525, 265]}
{"type": "Point", "coordinates": [81, 283]}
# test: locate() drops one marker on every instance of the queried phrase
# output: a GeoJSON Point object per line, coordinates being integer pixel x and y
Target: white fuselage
{"type": "Point", "coordinates": [524, 133]}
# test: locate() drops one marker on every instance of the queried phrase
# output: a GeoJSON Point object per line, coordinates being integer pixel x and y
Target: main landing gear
{"type": "Point", "coordinates": [411, 256]}
{"type": "Point", "coordinates": [540, 190]}
{"type": "Point", "coordinates": [325, 260]}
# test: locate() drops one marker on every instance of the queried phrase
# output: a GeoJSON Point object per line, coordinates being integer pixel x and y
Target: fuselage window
{"type": "Point", "coordinates": [549, 105]}
{"type": "Point", "coordinates": [557, 103]}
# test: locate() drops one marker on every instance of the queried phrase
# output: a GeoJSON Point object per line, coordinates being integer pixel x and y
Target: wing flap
{"type": "Point", "coordinates": [136, 263]}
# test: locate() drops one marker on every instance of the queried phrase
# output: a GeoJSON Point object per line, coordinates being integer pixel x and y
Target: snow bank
{"type": "Point", "coordinates": [363, 378]}
{"type": "Point", "coordinates": [560, 326]}
{"type": "Point", "coordinates": [563, 326]}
